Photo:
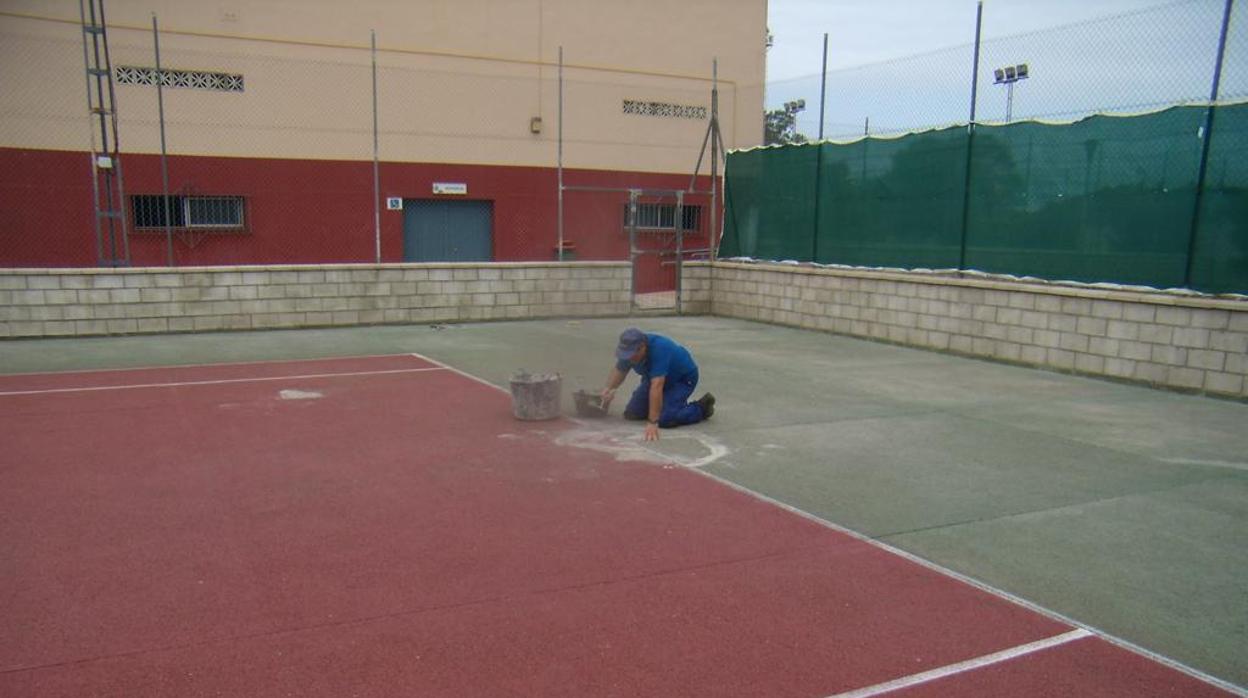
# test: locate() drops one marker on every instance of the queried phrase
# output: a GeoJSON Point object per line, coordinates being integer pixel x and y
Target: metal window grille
{"type": "Point", "coordinates": [663, 216]}
{"type": "Point", "coordinates": [217, 212]}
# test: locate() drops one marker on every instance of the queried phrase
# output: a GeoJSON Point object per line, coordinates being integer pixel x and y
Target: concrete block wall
{"type": "Point", "coordinates": [68, 302]}
{"type": "Point", "coordinates": [1162, 339]}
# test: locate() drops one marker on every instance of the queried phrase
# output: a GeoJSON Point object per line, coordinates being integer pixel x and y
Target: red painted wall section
{"type": "Point", "coordinates": [313, 211]}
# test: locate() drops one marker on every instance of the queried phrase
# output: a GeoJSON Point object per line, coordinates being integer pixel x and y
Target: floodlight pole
{"type": "Point", "coordinates": [1206, 137]}
{"type": "Point", "coordinates": [970, 139]}
{"type": "Point", "coordinates": [823, 84]}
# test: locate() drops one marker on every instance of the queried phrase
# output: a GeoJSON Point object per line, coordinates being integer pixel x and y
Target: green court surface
{"type": "Point", "coordinates": [1120, 507]}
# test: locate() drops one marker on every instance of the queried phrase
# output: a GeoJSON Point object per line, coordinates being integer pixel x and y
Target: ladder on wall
{"type": "Point", "coordinates": [111, 244]}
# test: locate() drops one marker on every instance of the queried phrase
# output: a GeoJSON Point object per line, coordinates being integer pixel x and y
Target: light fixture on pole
{"type": "Point", "coordinates": [1007, 76]}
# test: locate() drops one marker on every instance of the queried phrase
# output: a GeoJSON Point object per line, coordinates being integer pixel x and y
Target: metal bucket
{"type": "Point", "coordinates": [536, 396]}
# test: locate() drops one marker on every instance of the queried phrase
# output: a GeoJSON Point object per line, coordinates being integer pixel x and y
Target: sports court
{"type": "Point", "coordinates": [356, 512]}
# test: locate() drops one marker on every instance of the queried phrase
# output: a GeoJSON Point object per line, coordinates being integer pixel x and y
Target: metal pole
{"type": "Point", "coordinates": [1206, 138]}
{"type": "Point", "coordinates": [1009, 102]}
{"type": "Point", "coordinates": [559, 224]}
{"type": "Point", "coordinates": [715, 147]}
{"type": "Point", "coordinates": [376, 164]}
{"type": "Point", "coordinates": [164, 154]}
{"type": "Point", "coordinates": [680, 245]}
{"type": "Point", "coordinates": [823, 84]}
{"type": "Point", "coordinates": [632, 247]}
{"type": "Point", "coordinates": [116, 154]}
{"type": "Point", "coordinates": [970, 138]}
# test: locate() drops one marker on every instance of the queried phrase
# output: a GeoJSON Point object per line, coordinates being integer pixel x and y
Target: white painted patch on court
{"type": "Point", "coordinates": [300, 395]}
{"type": "Point", "coordinates": [677, 447]}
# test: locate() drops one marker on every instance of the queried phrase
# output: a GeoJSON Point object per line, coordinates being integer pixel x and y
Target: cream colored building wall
{"type": "Point", "coordinates": [458, 80]}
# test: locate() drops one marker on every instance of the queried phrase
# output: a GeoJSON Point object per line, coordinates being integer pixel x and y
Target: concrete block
{"type": "Point", "coordinates": [1138, 351]}
{"type": "Point", "coordinates": [1139, 312]}
{"type": "Point", "coordinates": [43, 283]}
{"type": "Point", "coordinates": [1223, 383]}
{"type": "Point", "coordinates": [1063, 323]}
{"type": "Point", "coordinates": [1151, 373]}
{"type": "Point", "coordinates": [1185, 377]}
{"type": "Point", "coordinates": [1166, 354]}
{"type": "Point", "coordinates": [1108, 310]}
{"type": "Point", "coordinates": [1156, 334]}
{"type": "Point", "coordinates": [1210, 319]}
{"type": "Point", "coordinates": [138, 281]}
{"type": "Point", "coordinates": [1104, 347]}
{"type": "Point", "coordinates": [1073, 342]}
{"type": "Point", "coordinates": [1048, 304]}
{"type": "Point", "coordinates": [1206, 360]}
{"type": "Point", "coordinates": [156, 295]}
{"type": "Point", "coordinates": [1119, 329]}
{"type": "Point", "coordinates": [1091, 326]}
{"type": "Point", "coordinates": [149, 325]}
{"type": "Point", "coordinates": [1090, 363]}
{"type": "Point", "coordinates": [1191, 337]}
{"type": "Point", "coordinates": [1060, 358]}
{"type": "Point", "coordinates": [1076, 306]}
{"type": "Point", "coordinates": [1238, 321]}
{"type": "Point", "coordinates": [1119, 368]}
{"type": "Point", "coordinates": [1036, 356]}
{"type": "Point", "coordinates": [1232, 342]}
{"type": "Point", "coordinates": [1181, 317]}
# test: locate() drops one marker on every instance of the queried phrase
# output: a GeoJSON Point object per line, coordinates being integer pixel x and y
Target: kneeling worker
{"type": "Point", "coordinates": [668, 378]}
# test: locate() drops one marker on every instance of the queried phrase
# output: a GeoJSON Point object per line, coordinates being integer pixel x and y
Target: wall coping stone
{"type": "Point", "coordinates": [1185, 299]}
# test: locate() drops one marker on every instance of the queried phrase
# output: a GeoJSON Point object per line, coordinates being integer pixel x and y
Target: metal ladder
{"type": "Point", "coordinates": [111, 243]}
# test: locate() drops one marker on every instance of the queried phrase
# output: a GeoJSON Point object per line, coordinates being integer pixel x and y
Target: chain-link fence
{"type": "Point", "coordinates": [249, 151]}
{"type": "Point", "coordinates": [1108, 151]}
{"type": "Point", "coordinates": [1130, 63]}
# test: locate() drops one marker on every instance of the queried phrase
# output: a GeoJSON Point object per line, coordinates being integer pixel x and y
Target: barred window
{"type": "Point", "coordinates": [678, 111]}
{"type": "Point", "coordinates": [217, 212]}
{"type": "Point", "coordinates": [663, 216]}
{"type": "Point", "coordinates": [196, 79]}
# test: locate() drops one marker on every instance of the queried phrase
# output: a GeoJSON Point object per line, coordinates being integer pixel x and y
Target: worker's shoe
{"type": "Point", "coordinates": [708, 405]}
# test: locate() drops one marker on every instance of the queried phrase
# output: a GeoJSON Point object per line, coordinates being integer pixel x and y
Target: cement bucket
{"type": "Point", "coordinates": [536, 396]}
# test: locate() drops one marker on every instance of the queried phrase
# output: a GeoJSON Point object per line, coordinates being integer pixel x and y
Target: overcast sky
{"type": "Point", "coordinates": [868, 31]}
{"type": "Point", "coordinates": [900, 65]}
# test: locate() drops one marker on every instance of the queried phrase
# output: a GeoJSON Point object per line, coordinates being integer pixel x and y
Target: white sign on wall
{"type": "Point", "coordinates": [394, 203]}
{"type": "Point", "coordinates": [457, 188]}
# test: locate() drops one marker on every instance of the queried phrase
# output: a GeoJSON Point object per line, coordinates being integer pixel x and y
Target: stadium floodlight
{"type": "Point", "coordinates": [1007, 76]}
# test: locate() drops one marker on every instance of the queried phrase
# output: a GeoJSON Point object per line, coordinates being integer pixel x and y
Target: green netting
{"type": "Point", "coordinates": [1105, 199]}
{"type": "Point", "coordinates": [893, 203]}
{"type": "Point", "coordinates": [1220, 262]}
{"type": "Point", "coordinates": [770, 204]}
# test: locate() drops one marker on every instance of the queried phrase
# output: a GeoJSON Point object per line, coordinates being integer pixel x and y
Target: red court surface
{"type": "Point", "coordinates": [382, 526]}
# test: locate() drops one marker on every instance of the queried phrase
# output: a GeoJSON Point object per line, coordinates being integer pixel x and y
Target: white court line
{"type": "Point", "coordinates": [968, 665]}
{"type": "Point", "coordinates": [261, 362]}
{"type": "Point", "coordinates": [137, 386]}
{"type": "Point", "coordinates": [939, 569]}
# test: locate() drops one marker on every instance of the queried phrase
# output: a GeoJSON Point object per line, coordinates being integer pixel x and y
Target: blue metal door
{"type": "Point", "coordinates": [448, 231]}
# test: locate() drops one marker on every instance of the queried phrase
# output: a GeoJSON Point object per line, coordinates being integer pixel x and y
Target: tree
{"type": "Point", "coordinates": [780, 125]}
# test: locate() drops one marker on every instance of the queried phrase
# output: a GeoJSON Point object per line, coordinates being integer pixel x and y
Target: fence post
{"type": "Point", "coordinates": [164, 150]}
{"type": "Point", "coordinates": [1206, 138]}
{"type": "Point", "coordinates": [823, 84]}
{"type": "Point", "coordinates": [970, 137]}
{"type": "Point", "coordinates": [376, 155]}
{"type": "Point", "coordinates": [814, 238]}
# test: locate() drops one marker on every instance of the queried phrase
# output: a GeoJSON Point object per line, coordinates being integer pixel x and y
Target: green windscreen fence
{"type": "Point", "coordinates": [1105, 199]}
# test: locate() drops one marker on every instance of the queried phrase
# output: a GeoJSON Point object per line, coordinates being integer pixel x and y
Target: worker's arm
{"type": "Point", "coordinates": [613, 381]}
{"type": "Point", "coordinates": [656, 407]}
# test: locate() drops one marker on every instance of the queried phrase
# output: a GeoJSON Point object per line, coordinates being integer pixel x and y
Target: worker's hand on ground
{"type": "Point", "coordinates": [652, 431]}
{"type": "Point", "coordinates": [608, 394]}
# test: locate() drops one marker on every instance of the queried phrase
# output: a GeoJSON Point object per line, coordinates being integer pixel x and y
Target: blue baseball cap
{"type": "Point", "coordinates": [630, 341]}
